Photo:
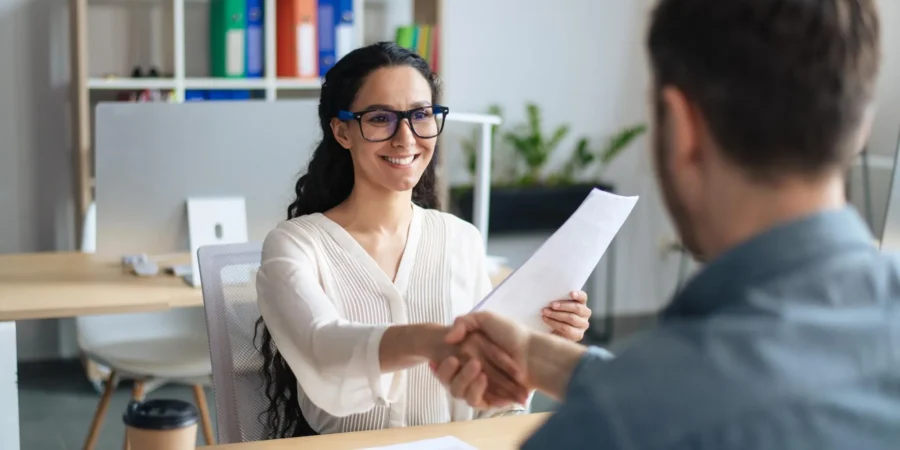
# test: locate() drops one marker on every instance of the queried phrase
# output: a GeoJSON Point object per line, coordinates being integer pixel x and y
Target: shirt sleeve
{"type": "Point", "coordinates": [580, 422]}
{"type": "Point", "coordinates": [335, 361]}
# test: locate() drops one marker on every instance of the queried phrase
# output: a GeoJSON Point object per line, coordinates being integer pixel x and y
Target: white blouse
{"type": "Point", "coordinates": [327, 303]}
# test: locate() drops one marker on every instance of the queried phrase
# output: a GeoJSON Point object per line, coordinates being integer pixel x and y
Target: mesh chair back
{"type": "Point", "coordinates": [228, 279]}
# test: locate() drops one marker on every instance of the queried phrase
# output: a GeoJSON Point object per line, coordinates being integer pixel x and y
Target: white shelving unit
{"type": "Point", "coordinates": [125, 84]}
{"type": "Point", "coordinates": [269, 83]}
{"type": "Point", "coordinates": [272, 87]}
{"type": "Point", "coordinates": [83, 85]}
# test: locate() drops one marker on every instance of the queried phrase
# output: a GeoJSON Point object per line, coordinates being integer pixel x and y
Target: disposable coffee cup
{"type": "Point", "coordinates": [161, 424]}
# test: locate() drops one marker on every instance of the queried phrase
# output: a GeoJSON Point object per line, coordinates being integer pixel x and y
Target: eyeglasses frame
{"type": "Point", "coordinates": [401, 115]}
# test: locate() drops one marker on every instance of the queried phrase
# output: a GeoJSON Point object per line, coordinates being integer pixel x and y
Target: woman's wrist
{"type": "Point", "coordinates": [428, 340]}
{"type": "Point", "coordinates": [404, 346]}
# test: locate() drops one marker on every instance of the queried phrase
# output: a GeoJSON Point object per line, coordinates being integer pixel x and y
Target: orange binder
{"type": "Point", "coordinates": [434, 47]}
{"type": "Point", "coordinates": [297, 49]}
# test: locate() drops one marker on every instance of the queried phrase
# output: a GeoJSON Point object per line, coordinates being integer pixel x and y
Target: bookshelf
{"type": "Point", "coordinates": [86, 89]}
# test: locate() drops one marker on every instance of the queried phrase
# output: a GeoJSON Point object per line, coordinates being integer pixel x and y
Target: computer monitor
{"type": "Point", "coordinates": [151, 157]}
{"type": "Point", "coordinates": [890, 235]}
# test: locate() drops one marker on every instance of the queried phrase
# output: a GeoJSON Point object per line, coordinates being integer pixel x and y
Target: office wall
{"type": "Point", "coordinates": [583, 62]}
{"type": "Point", "coordinates": [886, 129]}
{"type": "Point", "coordinates": [35, 183]}
{"type": "Point", "coordinates": [887, 123]}
{"type": "Point", "coordinates": [584, 65]}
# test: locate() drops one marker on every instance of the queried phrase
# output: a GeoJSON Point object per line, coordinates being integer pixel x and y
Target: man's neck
{"type": "Point", "coordinates": [753, 210]}
{"type": "Point", "coordinates": [375, 211]}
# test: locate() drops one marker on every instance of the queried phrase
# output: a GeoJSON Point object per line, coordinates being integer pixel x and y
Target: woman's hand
{"type": "Point", "coordinates": [486, 340]}
{"type": "Point", "coordinates": [482, 373]}
{"type": "Point", "coordinates": [500, 375]}
{"type": "Point", "coordinates": [569, 318]}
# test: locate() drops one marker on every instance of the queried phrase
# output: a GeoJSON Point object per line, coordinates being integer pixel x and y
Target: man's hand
{"type": "Point", "coordinates": [499, 369]}
{"type": "Point", "coordinates": [466, 377]}
{"type": "Point", "coordinates": [483, 356]}
{"type": "Point", "coordinates": [481, 373]}
{"type": "Point", "coordinates": [568, 318]}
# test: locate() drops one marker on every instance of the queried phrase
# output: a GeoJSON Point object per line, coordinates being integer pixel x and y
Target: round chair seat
{"type": "Point", "coordinates": [175, 357]}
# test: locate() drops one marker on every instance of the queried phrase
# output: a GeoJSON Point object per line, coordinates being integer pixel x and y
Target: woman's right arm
{"type": "Point", "coordinates": [344, 367]}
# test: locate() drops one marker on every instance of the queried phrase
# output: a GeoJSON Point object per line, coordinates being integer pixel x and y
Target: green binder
{"type": "Point", "coordinates": [227, 42]}
{"type": "Point", "coordinates": [406, 36]}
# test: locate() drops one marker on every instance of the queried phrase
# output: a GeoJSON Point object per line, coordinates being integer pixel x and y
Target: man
{"type": "Point", "coordinates": [789, 338]}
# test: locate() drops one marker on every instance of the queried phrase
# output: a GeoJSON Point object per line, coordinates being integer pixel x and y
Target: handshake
{"type": "Point", "coordinates": [493, 362]}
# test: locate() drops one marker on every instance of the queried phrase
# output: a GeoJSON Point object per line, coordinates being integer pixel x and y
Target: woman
{"type": "Point", "coordinates": [357, 288]}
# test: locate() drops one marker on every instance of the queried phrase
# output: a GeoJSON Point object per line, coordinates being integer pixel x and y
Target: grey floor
{"type": "Point", "coordinates": [57, 403]}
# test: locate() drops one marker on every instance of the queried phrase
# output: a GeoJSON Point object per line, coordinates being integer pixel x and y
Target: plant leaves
{"type": "Point", "coordinates": [558, 135]}
{"type": "Point", "coordinates": [534, 121]}
{"type": "Point", "coordinates": [583, 155]}
{"type": "Point", "coordinates": [620, 141]}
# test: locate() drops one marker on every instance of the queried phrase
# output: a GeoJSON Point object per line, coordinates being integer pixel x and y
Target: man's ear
{"type": "Point", "coordinates": [341, 133]}
{"type": "Point", "coordinates": [864, 131]}
{"type": "Point", "coordinates": [682, 129]}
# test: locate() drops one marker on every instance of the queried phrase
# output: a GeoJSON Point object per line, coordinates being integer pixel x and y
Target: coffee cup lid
{"type": "Point", "coordinates": [160, 414]}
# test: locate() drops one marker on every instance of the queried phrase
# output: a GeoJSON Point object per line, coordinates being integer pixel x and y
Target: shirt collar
{"type": "Point", "coordinates": [753, 262]}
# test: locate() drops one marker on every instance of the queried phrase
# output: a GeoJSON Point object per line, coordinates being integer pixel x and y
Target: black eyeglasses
{"type": "Point", "coordinates": [379, 125]}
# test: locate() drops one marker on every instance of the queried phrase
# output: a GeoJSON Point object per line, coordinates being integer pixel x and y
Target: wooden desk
{"type": "Point", "coordinates": [502, 433]}
{"type": "Point", "coordinates": [67, 284]}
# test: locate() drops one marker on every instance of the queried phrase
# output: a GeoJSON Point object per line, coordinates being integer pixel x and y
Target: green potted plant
{"type": "Point", "coordinates": [525, 195]}
{"type": "Point", "coordinates": [533, 146]}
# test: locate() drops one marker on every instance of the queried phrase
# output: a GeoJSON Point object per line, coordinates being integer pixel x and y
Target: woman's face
{"type": "Point", "coordinates": [396, 162]}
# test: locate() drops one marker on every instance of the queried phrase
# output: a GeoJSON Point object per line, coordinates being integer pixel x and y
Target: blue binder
{"type": "Point", "coordinates": [345, 40]}
{"type": "Point", "coordinates": [327, 22]}
{"type": "Point", "coordinates": [255, 41]}
{"type": "Point", "coordinates": [194, 95]}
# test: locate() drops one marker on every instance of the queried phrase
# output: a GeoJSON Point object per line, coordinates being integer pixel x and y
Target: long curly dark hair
{"type": "Point", "coordinates": [327, 182]}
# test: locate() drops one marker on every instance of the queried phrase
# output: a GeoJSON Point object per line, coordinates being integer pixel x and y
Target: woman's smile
{"type": "Point", "coordinates": [400, 162]}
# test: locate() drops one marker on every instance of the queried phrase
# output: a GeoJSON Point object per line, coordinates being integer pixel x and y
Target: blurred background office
{"type": "Point", "coordinates": [572, 69]}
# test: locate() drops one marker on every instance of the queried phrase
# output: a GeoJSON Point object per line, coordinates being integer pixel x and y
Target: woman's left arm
{"type": "Point", "coordinates": [568, 318]}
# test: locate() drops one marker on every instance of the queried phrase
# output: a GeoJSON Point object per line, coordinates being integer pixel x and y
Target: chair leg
{"type": "Point", "coordinates": [97, 423]}
{"type": "Point", "coordinates": [137, 393]}
{"type": "Point", "coordinates": [200, 397]}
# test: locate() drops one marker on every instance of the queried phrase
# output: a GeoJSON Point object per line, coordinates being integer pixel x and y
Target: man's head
{"type": "Point", "coordinates": [757, 95]}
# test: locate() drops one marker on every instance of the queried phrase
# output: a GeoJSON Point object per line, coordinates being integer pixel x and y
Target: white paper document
{"type": "Point", "coordinates": [563, 263]}
{"type": "Point", "coordinates": [442, 443]}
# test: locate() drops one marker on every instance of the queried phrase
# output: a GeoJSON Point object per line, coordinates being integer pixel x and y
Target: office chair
{"type": "Point", "coordinates": [151, 348]}
{"type": "Point", "coordinates": [228, 280]}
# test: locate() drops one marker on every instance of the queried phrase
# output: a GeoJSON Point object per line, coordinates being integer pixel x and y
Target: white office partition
{"type": "Point", "coordinates": [151, 157]}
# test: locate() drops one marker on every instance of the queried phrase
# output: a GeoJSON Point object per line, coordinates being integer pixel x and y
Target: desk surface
{"type": "Point", "coordinates": [67, 284]}
{"type": "Point", "coordinates": [502, 433]}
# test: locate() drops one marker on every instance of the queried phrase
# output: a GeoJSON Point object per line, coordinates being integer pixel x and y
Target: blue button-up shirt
{"type": "Point", "coordinates": [789, 341]}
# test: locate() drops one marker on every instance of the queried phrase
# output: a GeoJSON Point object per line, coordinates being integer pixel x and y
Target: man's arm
{"type": "Point", "coordinates": [550, 361]}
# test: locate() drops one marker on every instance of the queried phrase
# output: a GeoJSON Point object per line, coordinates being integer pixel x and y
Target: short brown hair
{"type": "Point", "coordinates": [783, 84]}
